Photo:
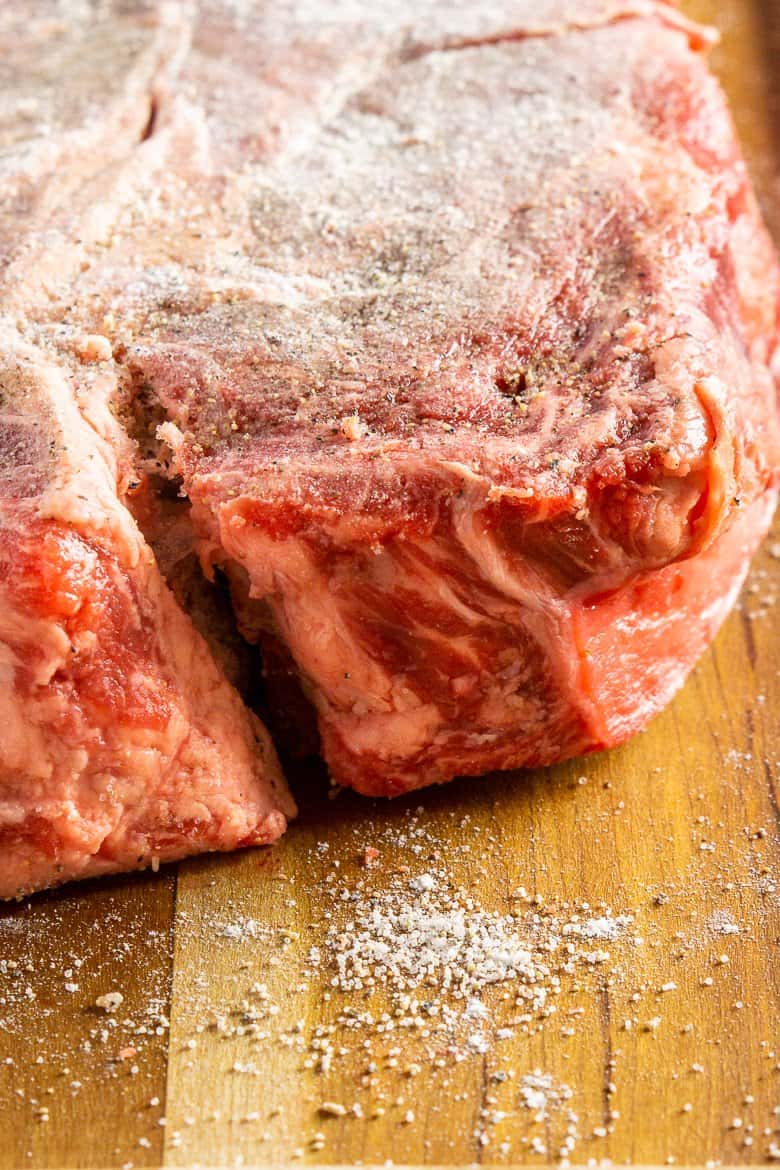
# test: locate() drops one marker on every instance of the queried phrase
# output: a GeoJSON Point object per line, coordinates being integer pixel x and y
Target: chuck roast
{"type": "Point", "coordinates": [458, 326]}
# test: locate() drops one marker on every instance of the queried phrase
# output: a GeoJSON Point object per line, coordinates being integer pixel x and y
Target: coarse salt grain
{"type": "Point", "coordinates": [110, 1001]}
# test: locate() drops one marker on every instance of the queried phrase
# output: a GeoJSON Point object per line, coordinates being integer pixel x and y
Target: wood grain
{"type": "Point", "coordinates": [107, 936]}
{"type": "Point", "coordinates": [681, 824]}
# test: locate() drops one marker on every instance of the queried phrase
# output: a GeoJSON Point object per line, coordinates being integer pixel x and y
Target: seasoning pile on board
{"type": "Point", "coordinates": [418, 977]}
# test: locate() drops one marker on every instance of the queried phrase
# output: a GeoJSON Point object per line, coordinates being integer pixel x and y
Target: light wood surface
{"type": "Point", "coordinates": [679, 826]}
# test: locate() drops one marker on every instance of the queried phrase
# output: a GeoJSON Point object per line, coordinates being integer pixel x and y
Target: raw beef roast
{"type": "Point", "coordinates": [457, 326]}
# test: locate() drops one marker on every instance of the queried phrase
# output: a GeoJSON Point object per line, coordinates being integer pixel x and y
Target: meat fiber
{"type": "Point", "coordinates": [123, 745]}
{"type": "Point", "coordinates": [463, 324]}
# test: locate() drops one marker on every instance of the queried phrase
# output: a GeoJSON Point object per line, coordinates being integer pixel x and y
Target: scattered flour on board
{"type": "Point", "coordinates": [419, 968]}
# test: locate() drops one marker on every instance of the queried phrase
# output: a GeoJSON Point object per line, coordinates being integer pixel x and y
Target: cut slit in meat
{"type": "Point", "coordinates": [239, 631]}
{"type": "Point", "coordinates": [466, 362]}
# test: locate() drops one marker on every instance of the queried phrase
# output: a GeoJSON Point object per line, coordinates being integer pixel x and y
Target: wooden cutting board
{"type": "Point", "coordinates": [666, 1048]}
